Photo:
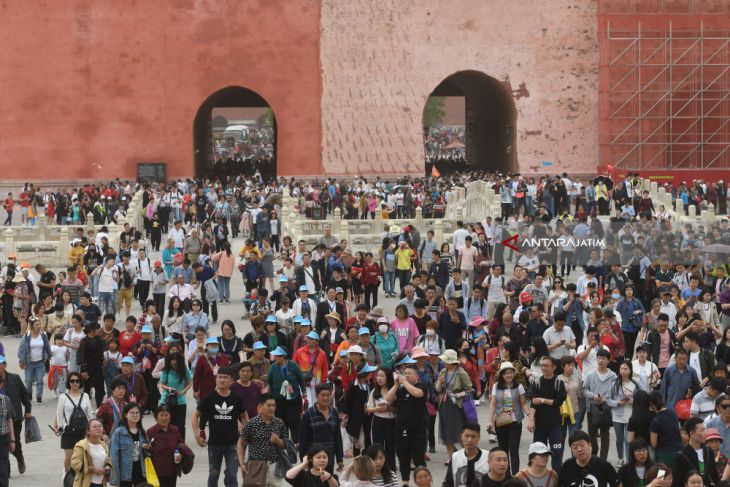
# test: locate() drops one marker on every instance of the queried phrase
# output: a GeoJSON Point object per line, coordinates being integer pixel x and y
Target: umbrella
{"type": "Point", "coordinates": [604, 179]}
{"type": "Point", "coordinates": [716, 249]}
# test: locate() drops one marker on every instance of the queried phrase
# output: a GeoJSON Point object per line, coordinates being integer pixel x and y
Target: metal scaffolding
{"type": "Point", "coordinates": [667, 104]}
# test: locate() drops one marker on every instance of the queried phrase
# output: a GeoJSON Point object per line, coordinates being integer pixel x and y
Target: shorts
{"type": "Point", "coordinates": [124, 295]}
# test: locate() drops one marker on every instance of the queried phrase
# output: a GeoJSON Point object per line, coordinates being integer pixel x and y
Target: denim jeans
{"type": "Point", "coordinates": [106, 303]}
{"type": "Point", "coordinates": [389, 282]}
{"type": "Point", "coordinates": [94, 285]}
{"type": "Point", "coordinates": [224, 287]}
{"type": "Point", "coordinates": [552, 436]}
{"type": "Point", "coordinates": [34, 373]}
{"type": "Point", "coordinates": [216, 454]}
{"type": "Point", "coordinates": [622, 446]}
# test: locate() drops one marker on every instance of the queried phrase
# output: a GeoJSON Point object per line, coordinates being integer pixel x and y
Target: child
{"type": "Point", "coordinates": [112, 364]}
{"type": "Point", "coordinates": [59, 365]}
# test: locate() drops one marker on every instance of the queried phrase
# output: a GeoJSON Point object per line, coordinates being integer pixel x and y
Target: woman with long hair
{"type": "Point", "coordinates": [175, 381]}
{"type": "Point", "coordinates": [354, 407]}
{"type": "Point", "coordinates": [65, 424]}
{"type": "Point", "coordinates": [557, 292]}
{"type": "Point", "coordinates": [638, 462]}
{"type": "Point", "coordinates": [620, 401]}
{"type": "Point", "coordinates": [641, 416]}
{"type": "Point", "coordinates": [383, 423]}
{"type": "Point", "coordinates": [538, 350]}
{"type": "Point", "coordinates": [174, 318]}
{"type": "Point", "coordinates": [507, 409]}
{"type": "Point", "coordinates": [722, 352]}
{"type": "Point", "coordinates": [470, 365]}
{"type": "Point", "coordinates": [90, 459]}
{"type": "Point", "coordinates": [226, 263]}
{"type": "Point", "coordinates": [129, 447]}
{"type": "Point", "coordinates": [358, 290]}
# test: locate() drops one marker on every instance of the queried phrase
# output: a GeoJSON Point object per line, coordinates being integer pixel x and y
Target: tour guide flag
{"type": "Point", "coordinates": [435, 172]}
{"type": "Point", "coordinates": [546, 164]}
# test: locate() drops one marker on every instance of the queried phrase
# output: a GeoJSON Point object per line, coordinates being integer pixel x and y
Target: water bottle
{"type": "Point", "coordinates": [178, 455]}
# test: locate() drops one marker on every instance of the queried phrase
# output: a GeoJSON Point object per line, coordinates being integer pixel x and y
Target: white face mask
{"type": "Point", "coordinates": [383, 328]}
{"type": "Point", "coordinates": [430, 332]}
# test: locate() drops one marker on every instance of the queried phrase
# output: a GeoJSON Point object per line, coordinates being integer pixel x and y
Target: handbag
{"type": "Point", "coordinates": [171, 400]}
{"type": "Point", "coordinates": [503, 419]}
{"type": "Point", "coordinates": [32, 431]}
{"type": "Point", "coordinates": [68, 479]}
{"type": "Point", "coordinates": [151, 473]}
{"type": "Point", "coordinates": [257, 473]}
{"type": "Point", "coordinates": [600, 416]}
{"type": "Point", "coordinates": [470, 409]}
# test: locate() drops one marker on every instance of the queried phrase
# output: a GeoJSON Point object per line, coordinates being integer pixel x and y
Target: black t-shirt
{"type": "Point", "coordinates": [546, 389]}
{"type": "Point", "coordinates": [46, 279]}
{"type": "Point", "coordinates": [411, 411]}
{"type": "Point", "coordinates": [598, 473]}
{"type": "Point", "coordinates": [231, 348]}
{"type": "Point", "coordinates": [485, 481]}
{"type": "Point", "coordinates": [305, 479]}
{"type": "Point", "coordinates": [640, 428]}
{"type": "Point", "coordinates": [222, 415]}
{"type": "Point", "coordinates": [92, 313]}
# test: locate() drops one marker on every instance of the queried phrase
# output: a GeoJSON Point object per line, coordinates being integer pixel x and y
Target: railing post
{"type": "Point", "coordinates": [9, 242]}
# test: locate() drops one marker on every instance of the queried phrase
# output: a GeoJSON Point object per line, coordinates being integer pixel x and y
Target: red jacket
{"type": "Point", "coordinates": [204, 377]}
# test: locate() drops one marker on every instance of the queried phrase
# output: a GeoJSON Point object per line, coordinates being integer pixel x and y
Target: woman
{"type": "Point", "coordinates": [370, 277]}
{"type": "Point", "coordinates": [620, 401]}
{"type": "Point", "coordinates": [351, 366]}
{"type": "Point", "coordinates": [537, 471]}
{"type": "Point", "coordinates": [538, 350]}
{"type": "Point", "coordinates": [267, 262]}
{"type": "Point", "coordinates": [150, 312]}
{"type": "Point", "coordinates": [507, 408]}
{"type": "Point", "coordinates": [231, 345]}
{"type": "Point", "coordinates": [168, 256]}
{"type": "Point", "coordinates": [572, 383]}
{"type": "Point", "coordinates": [175, 318]}
{"type": "Point", "coordinates": [33, 351]}
{"type": "Point", "coordinates": [388, 264]}
{"type": "Point", "coordinates": [69, 308]}
{"type": "Point", "coordinates": [430, 341]}
{"type": "Point", "coordinates": [386, 341]}
{"type": "Point", "coordinates": [90, 459]}
{"type": "Point", "coordinates": [164, 440]}
{"type": "Point", "coordinates": [447, 257]}
{"type": "Point", "coordinates": [633, 472]}
{"type": "Point", "coordinates": [273, 337]}
{"type": "Point", "coordinates": [354, 409]}
{"type": "Point", "coordinates": [72, 339]}
{"type": "Point", "coordinates": [428, 374]}
{"type": "Point", "coordinates": [556, 294]}
{"type": "Point", "coordinates": [454, 385]}
{"type": "Point", "coordinates": [632, 317]}
{"type": "Point", "coordinates": [226, 263]}
{"type": "Point", "coordinates": [405, 328]}
{"type": "Point", "coordinates": [196, 347]}
{"type": "Point", "coordinates": [470, 366]}
{"type": "Point", "coordinates": [358, 290]}
{"type": "Point", "coordinates": [72, 428]}
{"type": "Point", "coordinates": [651, 479]}
{"type": "Point", "coordinates": [383, 417]}
{"type": "Point", "coordinates": [194, 320]}
{"type": "Point", "coordinates": [708, 312]}
{"type": "Point", "coordinates": [259, 361]}
{"type": "Point", "coordinates": [175, 381]}
{"type": "Point", "coordinates": [641, 416]}
{"type": "Point", "coordinates": [422, 477]}
{"type": "Point", "coordinates": [129, 447]}
{"type": "Point", "coordinates": [722, 352]}
{"type": "Point", "coordinates": [312, 471]}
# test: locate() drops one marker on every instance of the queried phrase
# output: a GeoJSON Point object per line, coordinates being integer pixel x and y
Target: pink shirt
{"type": "Point", "coordinates": [406, 332]}
{"type": "Point", "coordinates": [663, 350]}
{"type": "Point", "coordinates": [225, 263]}
{"type": "Point", "coordinates": [467, 256]}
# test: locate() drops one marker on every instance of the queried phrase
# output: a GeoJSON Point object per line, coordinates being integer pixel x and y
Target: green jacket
{"type": "Point", "coordinates": [275, 378]}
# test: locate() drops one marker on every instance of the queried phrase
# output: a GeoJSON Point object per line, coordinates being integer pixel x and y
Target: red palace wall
{"type": "Point", "coordinates": [90, 88]}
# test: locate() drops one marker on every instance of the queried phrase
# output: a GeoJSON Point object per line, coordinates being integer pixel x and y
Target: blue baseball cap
{"type": "Point", "coordinates": [169, 339]}
{"type": "Point", "coordinates": [363, 331]}
{"type": "Point", "coordinates": [147, 329]}
{"type": "Point", "coordinates": [306, 322]}
{"type": "Point", "coordinates": [313, 335]}
{"type": "Point", "coordinates": [297, 319]}
{"type": "Point", "coordinates": [259, 346]}
{"type": "Point", "coordinates": [343, 353]}
{"type": "Point", "coordinates": [303, 288]}
{"type": "Point", "coordinates": [406, 361]}
{"type": "Point", "coordinates": [211, 341]}
{"type": "Point", "coordinates": [283, 279]}
{"type": "Point", "coordinates": [367, 369]}
{"type": "Point", "coordinates": [2, 359]}
{"type": "Point", "coordinates": [271, 319]}
{"type": "Point", "coordinates": [128, 360]}
{"type": "Point", "coordinates": [279, 352]}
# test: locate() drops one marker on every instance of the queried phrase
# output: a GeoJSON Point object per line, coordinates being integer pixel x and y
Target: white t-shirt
{"type": "Point", "coordinates": [285, 318]}
{"type": "Point", "coordinates": [74, 338]}
{"type": "Point", "coordinates": [507, 399]}
{"type": "Point", "coordinates": [177, 236]}
{"type": "Point", "coordinates": [552, 336]}
{"type": "Point", "coordinates": [58, 355]}
{"type": "Point", "coordinates": [495, 293]}
{"type": "Point", "coordinates": [694, 361]}
{"type": "Point", "coordinates": [36, 348]}
{"type": "Point", "coordinates": [590, 363]}
{"type": "Point", "coordinates": [98, 458]}
{"type": "Point", "coordinates": [530, 263]}
{"type": "Point", "coordinates": [107, 283]}
{"type": "Point", "coordinates": [459, 241]}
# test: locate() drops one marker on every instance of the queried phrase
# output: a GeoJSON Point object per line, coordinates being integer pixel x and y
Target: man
{"type": "Point", "coordinates": [495, 283]}
{"type": "Point", "coordinates": [439, 270]}
{"type": "Point", "coordinates": [573, 306]}
{"type": "Point", "coordinates": [588, 353]}
{"type": "Point", "coordinates": [90, 358]}
{"type": "Point", "coordinates": [695, 456]}
{"type": "Point", "coordinates": [185, 292]}
{"type": "Point", "coordinates": [530, 262]}
{"type": "Point", "coordinates": [701, 359]}
{"type": "Point", "coordinates": [325, 307]}
{"type": "Point", "coordinates": [307, 275]}
{"type": "Point", "coordinates": [470, 463]}
{"type": "Point", "coordinates": [559, 339]}
{"type": "Point", "coordinates": [312, 361]}
{"type": "Point", "coordinates": [284, 291]}
{"type": "Point", "coordinates": [253, 273]}
{"type": "Point", "coordinates": [185, 270]}
{"type": "Point", "coordinates": [597, 386]}
{"type": "Point", "coordinates": [476, 305]}
{"type": "Point", "coordinates": [584, 468]}
{"type": "Point", "coordinates": [9, 439]}
{"type": "Point", "coordinates": [247, 389]}
{"type": "Point", "coordinates": [203, 274]}
{"type": "Point", "coordinates": [15, 390]}
{"type": "Point", "coordinates": [546, 421]}
{"type": "Point", "coordinates": [108, 283]}
{"type": "Point", "coordinates": [288, 402]}
{"type": "Point", "coordinates": [127, 276]}
{"type": "Point", "coordinates": [321, 424]}
{"type": "Point", "coordinates": [193, 246]}
{"type": "Point", "coordinates": [328, 240]}
{"type": "Point", "coordinates": [679, 379]}
{"type": "Point", "coordinates": [262, 436]}
{"type": "Point", "coordinates": [136, 388]}
{"type": "Point", "coordinates": [722, 424]}
{"type": "Point", "coordinates": [408, 396]}
{"type": "Point", "coordinates": [47, 282]}
{"type": "Point", "coordinates": [588, 276]}
{"type": "Point", "coordinates": [410, 299]}
{"type": "Point", "coordinates": [92, 313]}
{"type": "Point", "coordinates": [668, 308]}
{"type": "Point", "coordinates": [467, 260]}
{"type": "Point", "coordinates": [425, 251]}
{"type": "Point", "coordinates": [538, 290]}
{"type": "Point", "coordinates": [513, 331]}
{"type": "Point", "coordinates": [177, 235]}
{"type": "Point", "coordinates": [459, 238]}
{"type": "Point", "coordinates": [221, 410]}
{"type": "Point", "coordinates": [498, 469]}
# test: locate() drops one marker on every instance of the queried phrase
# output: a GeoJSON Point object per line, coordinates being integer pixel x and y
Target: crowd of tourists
{"type": "Point", "coordinates": [634, 351]}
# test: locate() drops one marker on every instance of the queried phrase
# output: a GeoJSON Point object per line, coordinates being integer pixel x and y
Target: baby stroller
{"type": "Point", "coordinates": [248, 300]}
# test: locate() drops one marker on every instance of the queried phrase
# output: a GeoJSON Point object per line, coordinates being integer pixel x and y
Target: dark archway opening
{"type": "Point", "coordinates": [234, 133]}
{"type": "Point", "coordinates": [486, 138]}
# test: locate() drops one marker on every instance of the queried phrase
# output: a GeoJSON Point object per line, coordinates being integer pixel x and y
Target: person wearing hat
{"type": "Point", "coordinates": [328, 306]}
{"type": "Point", "coordinates": [385, 341]}
{"type": "Point", "coordinates": [90, 360]}
{"type": "Point", "coordinates": [355, 360]}
{"type": "Point", "coordinates": [297, 336]}
{"type": "Point", "coordinates": [470, 463]}
{"type": "Point", "coordinates": [696, 455]}
{"type": "Point", "coordinates": [286, 384]}
{"type": "Point", "coordinates": [272, 336]}
{"type": "Point", "coordinates": [136, 387]}
{"type": "Point", "coordinates": [284, 291]}
{"type": "Point", "coordinates": [453, 385]}
{"type": "Point", "coordinates": [353, 408]}
{"type": "Point", "coordinates": [372, 353]}
{"type": "Point", "coordinates": [312, 361]}
{"type": "Point", "coordinates": [351, 338]}
{"type": "Point", "coordinates": [537, 471]}
{"type": "Point", "coordinates": [207, 368]}
{"type": "Point", "coordinates": [507, 409]}
{"type": "Point", "coordinates": [305, 306]}
{"type": "Point", "coordinates": [260, 361]}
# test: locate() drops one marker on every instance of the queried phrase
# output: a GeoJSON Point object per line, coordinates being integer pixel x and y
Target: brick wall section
{"type": "Point", "coordinates": [381, 59]}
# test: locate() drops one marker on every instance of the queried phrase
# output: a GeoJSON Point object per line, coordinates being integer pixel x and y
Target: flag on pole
{"type": "Point", "coordinates": [546, 164]}
{"type": "Point", "coordinates": [435, 172]}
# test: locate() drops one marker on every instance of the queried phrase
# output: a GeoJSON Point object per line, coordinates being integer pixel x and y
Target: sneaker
{"type": "Point", "coordinates": [477, 402]}
{"type": "Point", "coordinates": [21, 467]}
{"type": "Point", "coordinates": [427, 457]}
{"type": "Point", "coordinates": [619, 464]}
{"type": "Point", "coordinates": [39, 401]}
{"type": "Point", "coordinates": [432, 449]}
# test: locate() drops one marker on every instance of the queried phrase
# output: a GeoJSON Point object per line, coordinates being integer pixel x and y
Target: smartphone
{"type": "Point", "coordinates": [660, 475]}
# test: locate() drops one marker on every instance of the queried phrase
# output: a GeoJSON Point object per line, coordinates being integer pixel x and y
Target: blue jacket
{"type": "Point", "coordinates": [24, 349]}
{"type": "Point", "coordinates": [574, 314]}
{"type": "Point", "coordinates": [121, 453]}
{"type": "Point", "coordinates": [675, 384]}
{"type": "Point", "coordinates": [629, 322]}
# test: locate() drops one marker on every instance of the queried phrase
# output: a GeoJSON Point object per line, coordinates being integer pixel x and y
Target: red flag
{"type": "Point", "coordinates": [435, 172]}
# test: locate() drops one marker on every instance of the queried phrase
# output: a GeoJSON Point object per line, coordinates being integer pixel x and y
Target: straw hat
{"type": "Point", "coordinates": [335, 316]}
{"type": "Point", "coordinates": [377, 312]}
{"type": "Point", "coordinates": [449, 357]}
{"type": "Point", "coordinates": [505, 366]}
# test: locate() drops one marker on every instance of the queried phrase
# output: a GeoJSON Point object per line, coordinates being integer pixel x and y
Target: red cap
{"type": "Point", "coordinates": [525, 297]}
{"type": "Point", "coordinates": [158, 263]}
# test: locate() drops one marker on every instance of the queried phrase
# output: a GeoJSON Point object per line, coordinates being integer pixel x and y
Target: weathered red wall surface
{"type": "Point", "coordinates": [114, 83]}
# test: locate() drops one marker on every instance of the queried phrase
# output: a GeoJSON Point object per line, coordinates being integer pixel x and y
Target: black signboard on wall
{"type": "Point", "coordinates": [152, 172]}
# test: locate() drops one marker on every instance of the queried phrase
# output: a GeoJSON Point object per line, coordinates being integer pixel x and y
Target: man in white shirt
{"type": "Point", "coordinates": [582, 284]}
{"type": "Point", "coordinates": [560, 339]}
{"type": "Point", "coordinates": [182, 291]}
{"type": "Point", "coordinates": [587, 353]}
{"type": "Point", "coordinates": [144, 278]}
{"type": "Point", "coordinates": [494, 283]}
{"type": "Point", "coordinates": [530, 263]}
{"type": "Point", "coordinates": [667, 307]}
{"type": "Point", "coordinates": [304, 306]}
{"type": "Point", "coordinates": [177, 235]}
{"type": "Point", "coordinates": [467, 260]}
{"type": "Point", "coordinates": [459, 238]}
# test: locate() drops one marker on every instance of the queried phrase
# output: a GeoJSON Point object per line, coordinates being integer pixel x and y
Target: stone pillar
{"type": "Point", "coordinates": [337, 224]}
{"type": "Point", "coordinates": [653, 188]}
{"type": "Point", "coordinates": [10, 242]}
{"type": "Point", "coordinates": [345, 230]}
{"type": "Point", "coordinates": [90, 222]}
{"type": "Point", "coordinates": [419, 219]}
{"type": "Point", "coordinates": [458, 213]}
{"type": "Point", "coordinates": [710, 214]}
{"type": "Point", "coordinates": [42, 227]}
{"type": "Point", "coordinates": [692, 210]}
{"type": "Point", "coordinates": [438, 230]}
{"type": "Point", "coordinates": [114, 231]}
{"type": "Point", "coordinates": [63, 245]}
{"type": "Point", "coordinates": [298, 230]}
{"type": "Point", "coordinates": [680, 206]}
{"type": "Point", "coordinates": [376, 225]}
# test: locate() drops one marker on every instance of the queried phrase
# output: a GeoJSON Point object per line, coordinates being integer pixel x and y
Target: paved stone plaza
{"type": "Point", "coordinates": [45, 459]}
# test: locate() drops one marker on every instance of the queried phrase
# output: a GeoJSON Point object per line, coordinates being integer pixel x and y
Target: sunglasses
{"type": "Point", "coordinates": [725, 406]}
{"type": "Point", "coordinates": [76, 381]}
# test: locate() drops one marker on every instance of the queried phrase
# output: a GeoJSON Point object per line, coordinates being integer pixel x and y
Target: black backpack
{"type": "Point", "coordinates": [77, 423]}
{"type": "Point", "coordinates": [126, 277]}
